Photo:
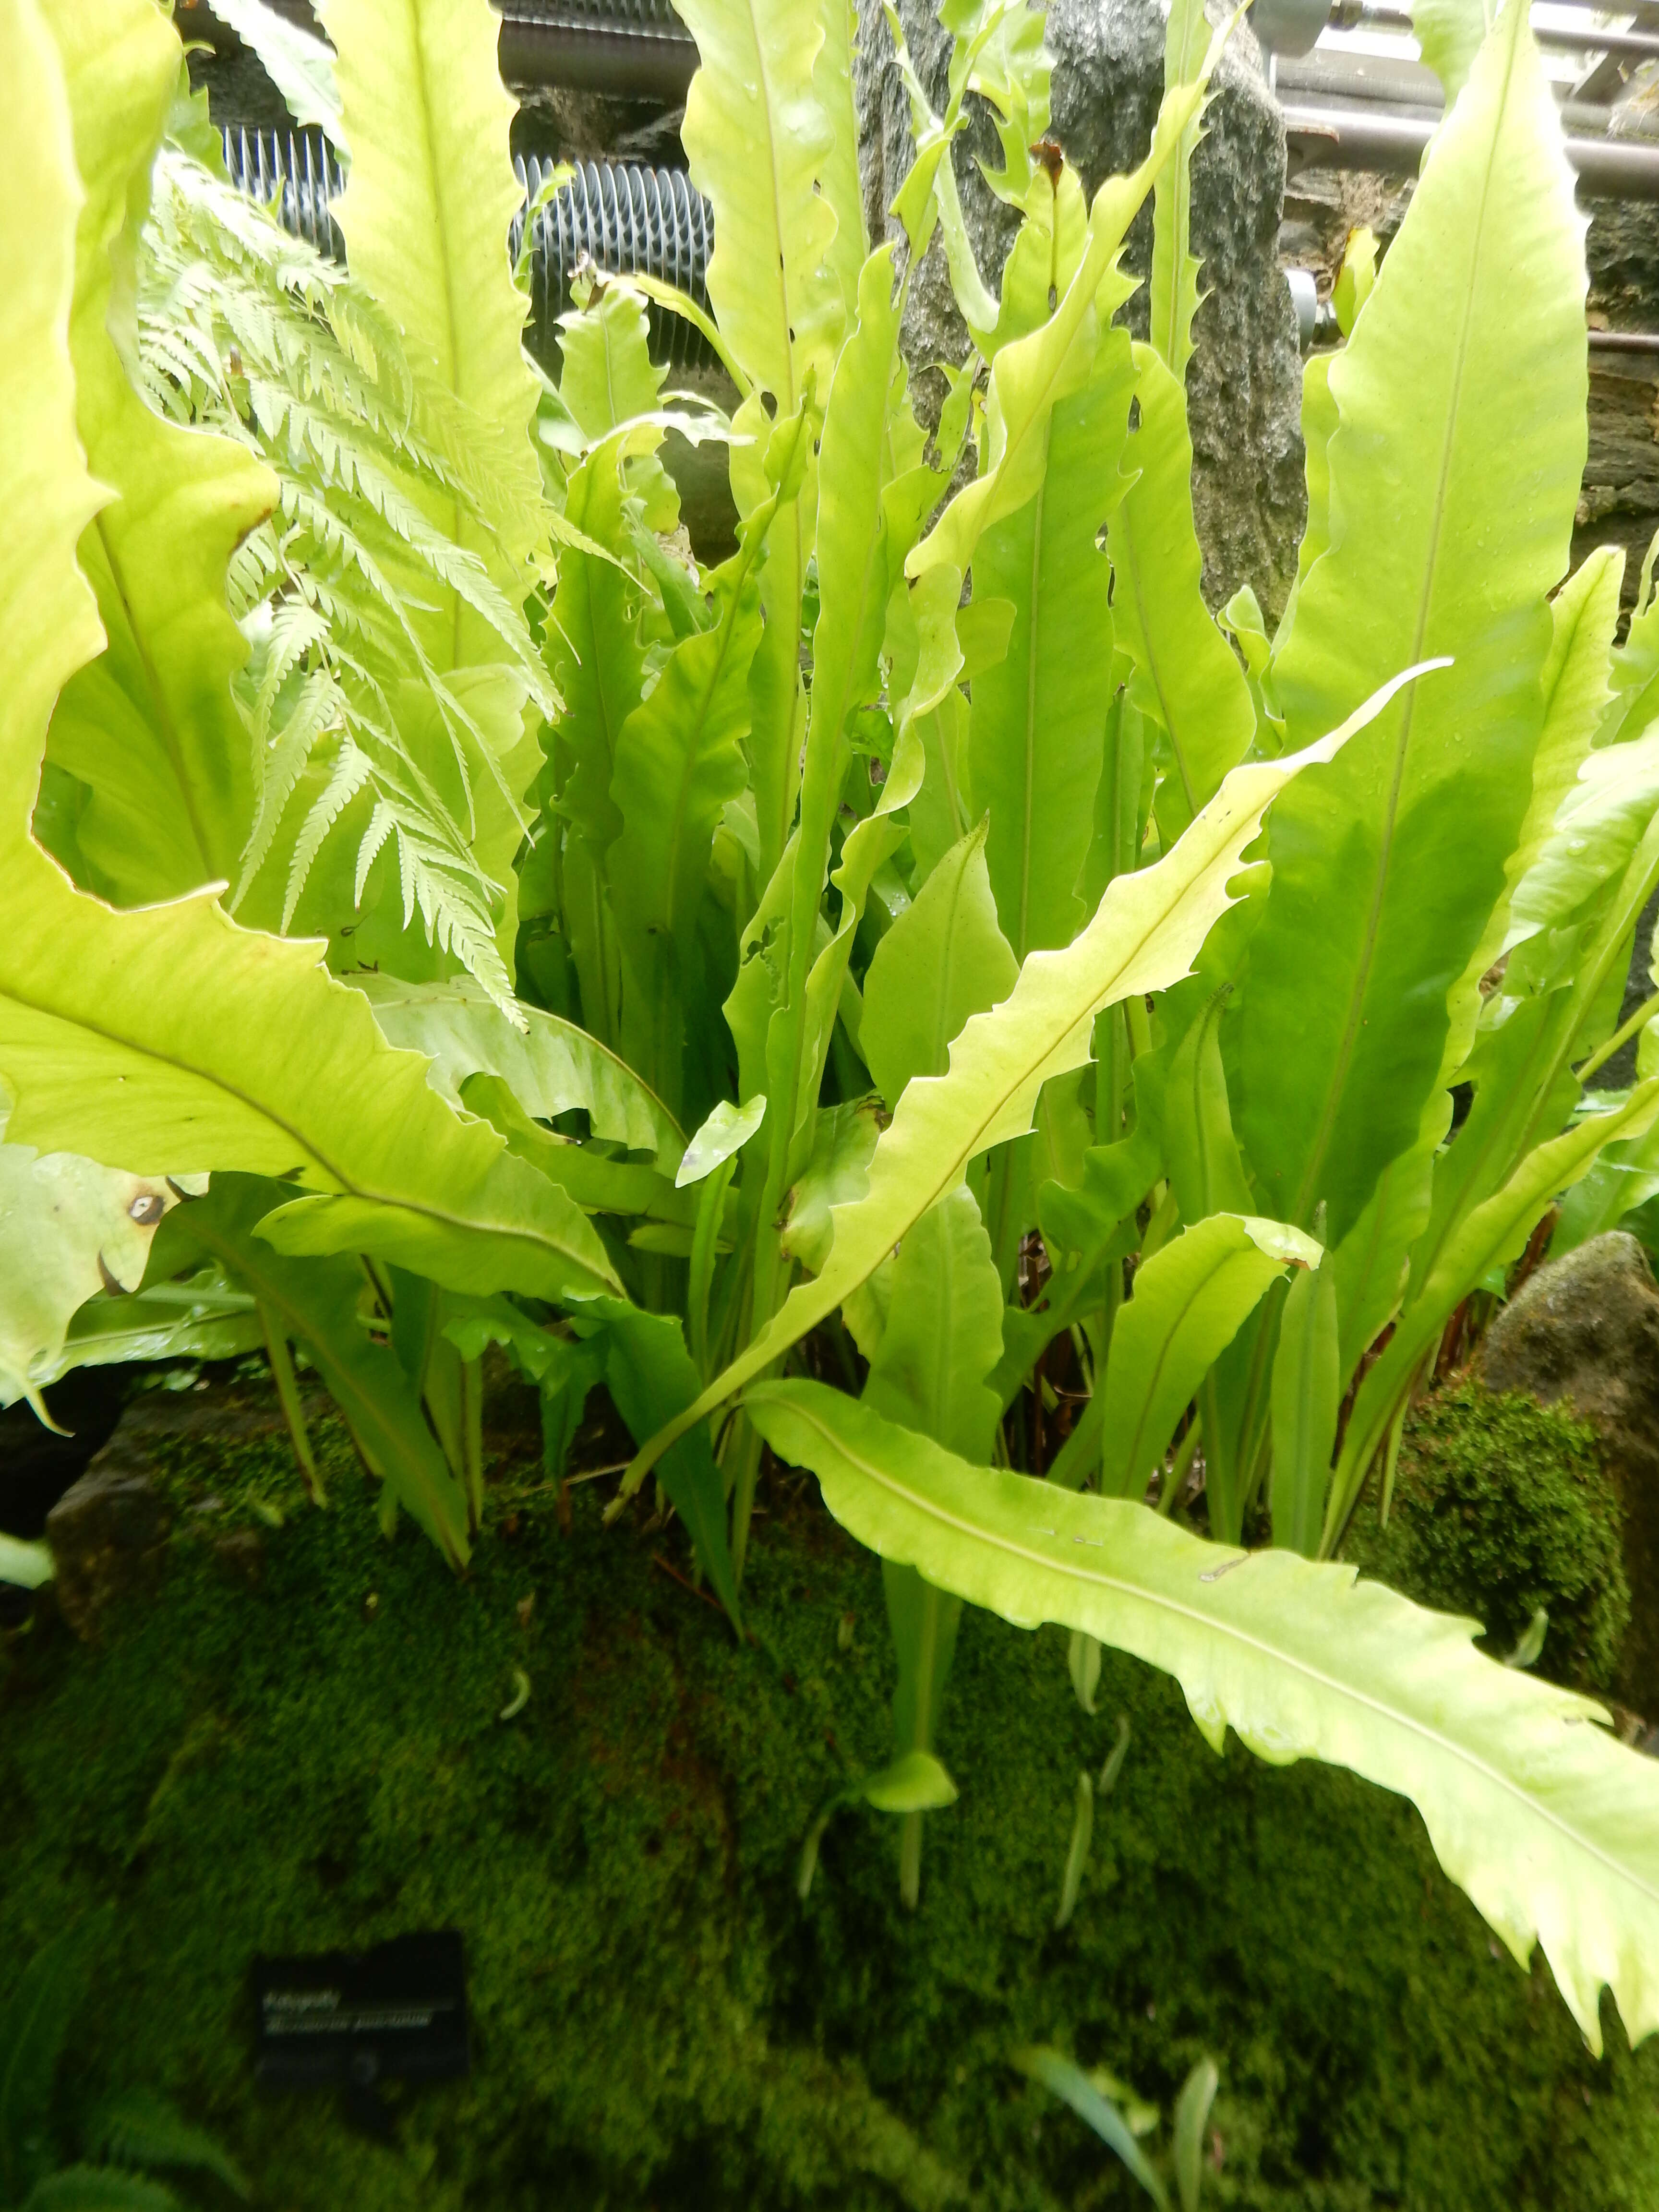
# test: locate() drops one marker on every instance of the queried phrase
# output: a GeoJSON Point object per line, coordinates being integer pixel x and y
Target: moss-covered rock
{"type": "Point", "coordinates": [319, 1761]}
{"type": "Point", "coordinates": [1583, 1333]}
{"type": "Point", "coordinates": [1502, 1505]}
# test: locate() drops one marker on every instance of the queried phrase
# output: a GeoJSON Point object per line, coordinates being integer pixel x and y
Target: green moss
{"type": "Point", "coordinates": [1502, 1505]}
{"type": "Point", "coordinates": [658, 2021]}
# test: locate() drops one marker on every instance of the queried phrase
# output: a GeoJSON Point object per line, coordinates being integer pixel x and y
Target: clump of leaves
{"type": "Point", "coordinates": [125, 2143]}
{"type": "Point", "coordinates": [858, 937]}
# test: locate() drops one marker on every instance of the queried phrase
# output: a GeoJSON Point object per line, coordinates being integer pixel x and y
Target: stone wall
{"type": "Point", "coordinates": [1244, 385]}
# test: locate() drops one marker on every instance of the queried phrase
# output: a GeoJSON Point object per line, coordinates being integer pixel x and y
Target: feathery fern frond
{"type": "Point", "coordinates": [245, 328]}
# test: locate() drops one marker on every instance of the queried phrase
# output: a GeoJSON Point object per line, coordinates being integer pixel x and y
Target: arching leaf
{"type": "Point", "coordinates": [1550, 1825]}
{"type": "Point", "coordinates": [944, 959]}
{"type": "Point", "coordinates": [551, 1066]}
{"type": "Point", "coordinates": [68, 1230]}
{"type": "Point", "coordinates": [1583, 620]}
{"type": "Point", "coordinates": [1174, 288]}
{"type": "Point", "coordinates": [756, 135]}
{"type": "Point", "coordinates": [1187, 677]}
{"type": "Point", "coordinates": [316, 1303]}
{"type": "Point", "coordinates": [1145, 935]}
{"type": "Point", "coordinates": [426, 211]}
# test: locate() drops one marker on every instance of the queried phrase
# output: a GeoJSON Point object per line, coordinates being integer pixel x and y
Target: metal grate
{"type": "Point", "coordinates": [616, 217]}
{"type": "Point", "coordinates": [300, 167]}
{"type": "Point", "coordinates": [627, 219]}
{"type": "Point", "coordinates": [622, 16]}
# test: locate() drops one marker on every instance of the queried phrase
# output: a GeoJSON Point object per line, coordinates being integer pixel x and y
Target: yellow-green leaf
{"type": "Point", "coordinates": [426, 211]}
{"type": "Point", "coordinates": [1145, 935]}
{"type": "Point", "coordinates": [148, 727]}
{"type": "Point", "coordinates": [1388, 867]}
{"type": "Point", "coordinates": [757, 136]}
{"type": "Point", "coordinates": [1550, 1825]}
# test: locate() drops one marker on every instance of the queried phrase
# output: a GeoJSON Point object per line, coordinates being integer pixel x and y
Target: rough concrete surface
{"type": "Point", "coordinates": [1244, 386]}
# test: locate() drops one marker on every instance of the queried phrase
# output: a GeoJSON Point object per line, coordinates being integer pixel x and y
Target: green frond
{"type": "Point", "coordinates": [351, 773]}
{"type": "Point", "coordinates": [247, 329]}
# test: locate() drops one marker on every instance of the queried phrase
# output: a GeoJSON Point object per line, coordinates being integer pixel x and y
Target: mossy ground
{"type": "Point", "coordinates": [658, 2021]}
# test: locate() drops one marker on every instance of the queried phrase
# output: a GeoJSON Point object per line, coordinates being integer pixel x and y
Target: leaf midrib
{"type": "Point", "coordinates": [964, 1151]}
{"type": "Point", "coordinates": [786, 399]}
{"type": "Point", "coordinates": [445, 272]}
{"type": "Point", "coordinates": [1033, 643]}
{"type": "Point", "coordinates": [1152, 664]}
{"type": "Point", "coordinates": [1208, 1623]}
{"type": "Point", "coordinates": [162, 718]}
{"type": "Point", "coordinates": [1349, 1045]}
{"type": "Point", "coordinates": [1213, 1280]}
{"type": "Point", "coordinates": [345, 1186]}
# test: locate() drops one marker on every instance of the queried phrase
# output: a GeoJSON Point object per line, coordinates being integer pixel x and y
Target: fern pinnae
{"type": "Point", "coordinates": [351, 773]}
{"type": "Point", "coordinates": [380, 826]}
{"type": "Point", "coordinates": [248, 329]}
{"type": "Point", "coordinates": [319, 710]}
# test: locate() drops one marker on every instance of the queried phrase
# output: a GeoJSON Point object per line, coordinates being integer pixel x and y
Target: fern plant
{"type": "Point", "coordinates": [126, 2142]}
{"type": "Point", "coordinates": [247, 330]}
{"type": "Point", "coordinates": [940, 944]}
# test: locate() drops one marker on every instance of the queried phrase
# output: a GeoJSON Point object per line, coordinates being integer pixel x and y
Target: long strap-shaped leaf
{"type": "Point", "coordinates": [1039, 714]}
{"type": "Point", "coordinates": [1584, 619]}
{"type": "Point", "coordinates": [316, 1304]}
{"type": "Point", "coordinates": [838, 178]}
{"type": "Point", "coordinates": [1550, 1826]}
{"type": "Point", "coordinates": [1387, 871]}
{"type": "Point", "coordinates": [855, 582]}
{"type": "Point", "coordinates": [172, 1040]}
{"type": "Point", "coordinates": [679, 760]}
{"type": "Point", "coordinates": [1186, 674]}
{"type": "Point", "coordinates": [48, 619]}
{"type": "Point", "coordinates": [150, 726]}
{"type": "Point", "coordinates": [1145, 935]}
{"type": "Point", "coordinates": [1174, 290]}
{"type": "Point", "coordinates": [1033, 372]}
{"type": "Point", "coordinates": [757, 137]}
{"type": "Point", "coordinates": [551, 1066]}
{"type": "Point", "coordinates": [1189, 1301]}
{"type": "Point", "coordinates": [426, 214]}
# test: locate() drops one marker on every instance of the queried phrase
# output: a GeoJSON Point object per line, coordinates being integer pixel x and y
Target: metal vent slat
{"type": "Point", "coordinates": [618, 217]}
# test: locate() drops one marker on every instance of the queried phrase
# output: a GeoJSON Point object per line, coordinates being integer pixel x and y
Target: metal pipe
{"type": "Point", "coordinates": [1636, 46]}
{"type": "Point", "coordinates": [629, 49]}
{"type": "Point", "coordinates": [1398, 83]}
{"type": "Point", "coordinates": [592, 57]}
{"type": "Point", "coordinates": [1392, 145]}
{"type": "Point", "coordinates": [629, 220]}
{"type": "Point", "coordinates": [1625, 341]}
{"type": "Point", "coordinates": [296, 176]}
